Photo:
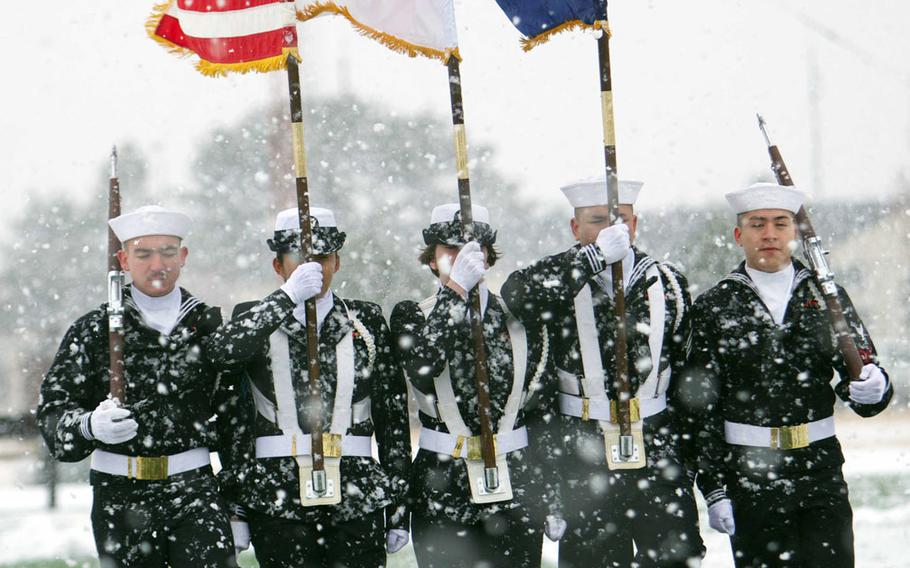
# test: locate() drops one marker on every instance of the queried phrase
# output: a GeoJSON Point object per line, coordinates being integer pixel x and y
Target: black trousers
{"type": "Point", "coordinates": [283, 543]}
{"type": "Point", "coordinates": [788, 523]}
{"type": "Point", "coordinates": [508, 539]}
{"type": "Point", "coordinates": [181, 524]}
{"type": "Point", "coordinates": [607, 511]}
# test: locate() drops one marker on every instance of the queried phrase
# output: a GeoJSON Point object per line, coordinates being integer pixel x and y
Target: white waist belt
{"type": "Point", "coordinates": [571, 405]}
{"type": "Point", "coordinates": [463, 446]}
{"type": "Point", "coordinates": [302, 445]}
{"type": "Point", "coordinates": [783, 437]}
{"type": "Point", "coordinates": [150, 468]}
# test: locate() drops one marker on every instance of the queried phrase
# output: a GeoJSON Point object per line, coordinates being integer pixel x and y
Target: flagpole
{"type": "Point", "coordinates": [621, 381]}
{"type": "Point", "coordinates": [487, 444]}
{"type": "Point", "coordinates": [314, 404]}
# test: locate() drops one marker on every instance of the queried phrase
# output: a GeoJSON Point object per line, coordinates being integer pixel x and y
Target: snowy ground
{"type": "Point", "coordinates": [878, 471]}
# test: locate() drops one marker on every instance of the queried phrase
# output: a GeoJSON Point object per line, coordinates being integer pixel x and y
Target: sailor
{"type": "Point", "coordinates": [293, 521]}
{"type": "Point", "coordinates": [615, 501]}
{"type": "Point", "coordinates": [156, 502]}
{"type": "Point", "coordinates": [458, 520]}
{"type": "Point", "coordinates": [762, 355]}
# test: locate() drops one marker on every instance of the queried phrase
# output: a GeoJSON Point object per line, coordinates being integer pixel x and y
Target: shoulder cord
{"type": "Point", "coordinates": [368, 338]}
{"type": "Point", "coordinates": [677, 295]}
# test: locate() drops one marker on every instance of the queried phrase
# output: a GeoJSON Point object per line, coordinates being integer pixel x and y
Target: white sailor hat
{"type": "Point", "coordinates": [288, 220]}
{"type": "Point", "coordinates": [765, 196]}
{"type": "Point", "coordinates": [446, 227]}
{"type": "Point", "coordinates": [151, 220]}
{"type": "Point", "coordinates": [326, 236]}
{"type": "Point", "coordinates": [593, 191]}
{"type": "Point", "coordinates": [452, 212]}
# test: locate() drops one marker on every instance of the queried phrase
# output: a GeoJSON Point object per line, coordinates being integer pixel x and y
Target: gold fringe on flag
{"type": "Point", "coordinates": [151, 26]}
{"type": "Point", "coordinates": [528, 44]}
{"type": "Point", "coordinates": [392, 42]}
{"type": "Point", "coordinates": [209, 68]}
{"type": "Point", "coordinates": [274, 63]}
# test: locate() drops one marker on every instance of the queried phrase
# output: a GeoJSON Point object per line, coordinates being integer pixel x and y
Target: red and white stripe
{"type": "Point", "coordinates": [230, 31]}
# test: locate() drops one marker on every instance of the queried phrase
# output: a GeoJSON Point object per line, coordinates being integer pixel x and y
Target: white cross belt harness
{"type": "Point", "coordinates": [155, 468]}
{"type": "Point", "coordinates": [779, 438]}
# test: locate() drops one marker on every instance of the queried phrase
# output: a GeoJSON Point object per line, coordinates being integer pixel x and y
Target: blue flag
{"type": "Point", "coordinates": [539, 19]}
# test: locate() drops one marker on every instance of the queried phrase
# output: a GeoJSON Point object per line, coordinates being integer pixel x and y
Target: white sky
{"type": "Point", "coordinates": [688, 79]}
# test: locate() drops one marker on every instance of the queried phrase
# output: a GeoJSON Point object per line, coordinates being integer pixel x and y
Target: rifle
{"type": "Point", "coordinates": [816, 256]}
{"type": "Point", "coordinates": [115, 291]}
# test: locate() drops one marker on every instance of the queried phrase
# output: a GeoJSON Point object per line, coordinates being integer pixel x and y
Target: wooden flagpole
{"type": "Point", "coordinates": [314, 404]}
{"type": "Point", "coordinates": [488, 448]}
{"type": "Point", "coordinates": [621, 380]}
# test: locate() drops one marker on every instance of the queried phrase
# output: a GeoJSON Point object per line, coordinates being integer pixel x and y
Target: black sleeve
{"type": "Point", "coordinates": [533, 293]}
{"type": "Point", "coordinates": [686, 423]}
{"type": "Point", "coordinates": [389, 408]}
{"type": "Point", "coordinates": [247, 334]}
{"type": "Point", "coordinates": [235, 427]}
{"type": "Point", "coordinates": [423, 353]}
{"type": "Point", "coordinates": [867, 349]}
{"type": "Point", "coordinates": [70, 390]}
{"type": "Point", "coordinates": [699, 392]}
{"type": "Point", "coordinates": [545, 429]}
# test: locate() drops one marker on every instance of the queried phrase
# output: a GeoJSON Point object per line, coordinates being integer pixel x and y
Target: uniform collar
{"type": "Point", "coordinates": [323, 307]}
{"type": "Point", "coordinates": [634, 267]}
{"type": "Point", "coordinates": [484, 295]}
{"type": "Point", "coordinates": [741, 277]}
{"type": "Point", "coordinates": [331, 329]}
{"type": "Point", "coordinates": [136, 301]}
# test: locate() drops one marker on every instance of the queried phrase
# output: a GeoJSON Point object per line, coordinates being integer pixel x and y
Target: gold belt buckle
{"type": "Point", "coordinates": [634, 411]}
{"type": "Point", "coordinates": [147, 468]}
{"type": "Point", "coordinates": [475, 448]}
{"type": "Point", "coordinates": [585, 409]}
{"type": "Point", "coordinates": [331, 445]}
{"type": "Point", "coordinates": [790, 437]}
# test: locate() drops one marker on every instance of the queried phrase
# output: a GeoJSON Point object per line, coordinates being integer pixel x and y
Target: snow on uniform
{"type": "Point", "coordinates": [435, 346]}
{"type": "Point", "coordinates": [608, 510]}
{"type": "Point", "coordinates": [137, 519]}
{"type": "Point", "coordinates": [268, 345]}
{"type": "Point", "coordinates": [744, 371]}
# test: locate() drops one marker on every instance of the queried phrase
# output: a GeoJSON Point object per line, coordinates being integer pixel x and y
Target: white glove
{"type": "Point", "coordinates": [871, 386]}
{"type": "Point", "coordinates": [304, 283]}
{"type": "Point", "coordinates": [554, 527]}
{"type": "Point", "coordinates": [395, 540]}
{"type": "Point", "coordinates": [468, 268]}
{"type": "Point", "coordinates": [720, 517]}
{"type": "Point", "coordinates": [241, 531]}
{"type": "Point", "coordinates": [111, 424]}
{"type": "Point", "coordinates": [614, 242]}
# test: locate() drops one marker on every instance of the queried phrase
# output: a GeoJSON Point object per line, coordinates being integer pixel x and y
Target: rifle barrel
{"type": "Point", "coordinates": [115, 291]}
